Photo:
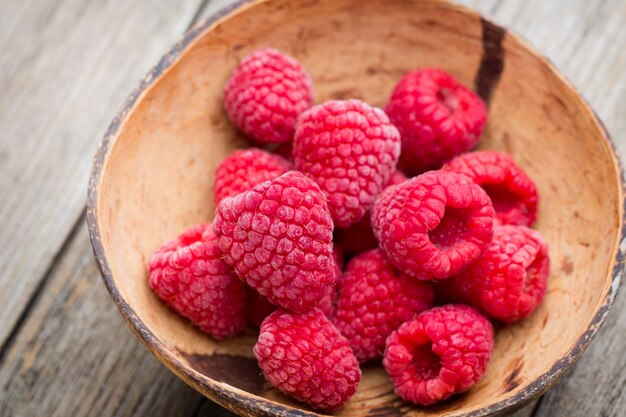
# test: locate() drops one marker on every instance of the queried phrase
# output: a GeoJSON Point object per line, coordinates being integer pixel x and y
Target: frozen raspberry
{"type": "Point", "coordinates": [437, 116]}
{"type": "Point", "coordinates": [374, 299]}
{"type": "Point", "coordinates": [509, 280]}
{"type": "Point", "coordinates": [265, 95]}
{"type": "Point", "coordinates": [303, 355]}
{"type": "Point", "coordinates": [259, 307]}
{"type": "Point", "coordinates": [244, 169]}
{"type": "Point", "coordinates": [396, 178]}
{"type": "Point", "coordinates": [350, 149]}
{"type": "Point", "coordinates": [278, 237]}
{"type": "Point", "coordinates": [190, 276]}
{"type": "Point", "coordinates": [441, 352]}
{"type": "Point", "coordinates": [359, 237]}
{"type": "Point", "coordinates": [433, 225]}
{"type": "Point", "coordinates": [513, 193]}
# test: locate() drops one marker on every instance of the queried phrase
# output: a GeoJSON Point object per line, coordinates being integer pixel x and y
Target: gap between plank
{"type": "Point", "coordinates": [196, 412]}
{"type": "Point", "coordinates": [198, 13]}
{"type": "Point", "coordinates": [41, 286]}
{"type": "Point", "coordinates": [536, 407]}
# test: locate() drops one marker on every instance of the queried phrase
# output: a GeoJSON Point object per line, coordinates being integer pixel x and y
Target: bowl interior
{"type": "Point", "coordinates": [157, 172]}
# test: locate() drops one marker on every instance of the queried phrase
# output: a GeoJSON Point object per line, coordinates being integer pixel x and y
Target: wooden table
{"type": "Point", "coordinates": [65, 68]}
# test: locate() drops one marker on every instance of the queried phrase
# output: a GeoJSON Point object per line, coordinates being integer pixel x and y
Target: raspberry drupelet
{"type": "Point", "coordinates": [305, 356]}
{"type": "Point", "coordinates": [433, 225]}
{"type": "Point", "coordinates": [374, 299]}
{"type": "Point", "coordinates": [266, 93]}
{"type": "Point", "coordinates": [189, 274]}
{"type": "Point", "coordinates": [512, 192]}
{"type": "Point", "coordinates": [245, 168]}
{"type": "Point", "coordinates": [350, 149]}
{"type": "Point", "coordinates": [437, 116]}
{"type": "Point", "coordinates": [443, 351]}
{"type": "Point", "coordinates": [278, 237]}
{"type": "Point", "coordinates": [510, 278]}
{"type": "Point", "coordinates": [259, 307]}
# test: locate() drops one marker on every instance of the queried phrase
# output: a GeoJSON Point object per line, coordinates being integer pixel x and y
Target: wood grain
{"type": "Point", "coordinates": [66, 66]}
{"type": "Point", "coordinates": [103, 365]}
{"type": "Point", "coordinates": [75, 357]}
{"type": "Point", "coordinates": [587, 49]}
{"type": "Point", "coordinates": [178, 125]}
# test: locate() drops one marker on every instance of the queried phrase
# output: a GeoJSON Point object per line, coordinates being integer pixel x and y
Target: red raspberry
{"type": "Point", "coordinates": [278, 237]}
{"type": "Point", "coordinates": [359, 237]}
{"type": "Point", "coordinates": [437, 116]}
{"type": "Point", "coordinates": [374, 299]}
{"type": "Point", "coordinates": [244, 169]}
{"type": "Point", "coordinates": [433, 225]}
{"type": "Point", "coordinates": [190, 276]}
{"type": "Point", "coordinates": [305, 356]}
{"type": "Point", "coordinates": [513, 193]}
{"type": "Point", "coordinates": [509, 280]}
{"type": "Point", "coordinates": [259, 307]}
{"type": "Point", "coordinates": [441, 352]}
{"type": "Point", "coordinates": [265, 95]}
{"type": "Point", "coordinates": [350, 149]}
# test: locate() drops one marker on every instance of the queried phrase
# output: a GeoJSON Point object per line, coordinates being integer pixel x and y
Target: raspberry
{"type": "Point", "coordinates": [359, 237]}
{"type": "Point", "coordinates": [278, 237]}
{"type": "Point", "coordinates": [433, 225]}
{"type": "Point", "coordinates": [350, 149]}
{"type": "Point", "coordinates": [509, 280]}
{"type": "Point", "coordinates": [303, 355]}
{"type": "Point", "coordinates": [441, 352]}
{"type": "Point", "coordinates": [437, 116]}
{"type": "Point", "coordinates": [244, 169]}
{"type": "Point", "coordinates": [374, 299]}
{"type": "Point", "coordinates": [513, 193]}
{"type": "Point", "coordinates": [259, 307]}
{"type": "Point", "coordinates": [396, 178]}
{"type": "Point", "coordinates": [265, 95]}
{"type": "Point", "coordinates": [190, 276]}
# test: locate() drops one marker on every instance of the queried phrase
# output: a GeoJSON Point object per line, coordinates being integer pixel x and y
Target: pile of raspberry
{"type": "Point", "coordinates": [352, 233]}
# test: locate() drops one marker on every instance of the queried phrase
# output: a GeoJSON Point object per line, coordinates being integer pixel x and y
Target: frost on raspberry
{"type": "Point", "coordinates": [437, 116]}
{"type": "Point", "coordinates": [244, 169]}
{"type": "Point", "coordinates": [259, 307]}
{"type": "Point", "coordinates": [304, 356]}
{"type": "Point", "coordinates": [191, 277]}
{"type": "Point", "coordinates": [443, 351]}
{"type": "Point", "coordinates": [513, 193]}
{"type": "Point", "coordinates": [266, 93]}
{"type": "Point", "coordinates": [278, 237]}
{"type": "Point", "coordinates": [350, 149]}
{"type": "Point", "coordinates": [433, 225]}
{"type": "Point", "coordinates": [510, 278]}
{"type": "Point", "coordinates": [374, 299]}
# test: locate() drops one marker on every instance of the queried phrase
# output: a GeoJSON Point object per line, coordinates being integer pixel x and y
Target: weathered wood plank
{"type": "Point", "coordinates": [66, 66]}
{"type": "Point", "coordinates": [585, 40]}
{"type": "Point", "coordinates": [76, 357]}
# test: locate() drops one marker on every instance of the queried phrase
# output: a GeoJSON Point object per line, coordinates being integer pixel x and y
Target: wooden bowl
{"type": "Point", "coordinates": [153, 173]}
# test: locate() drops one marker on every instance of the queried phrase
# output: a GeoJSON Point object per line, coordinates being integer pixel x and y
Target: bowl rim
{"type": "Point", "coordinates": [226, 394]}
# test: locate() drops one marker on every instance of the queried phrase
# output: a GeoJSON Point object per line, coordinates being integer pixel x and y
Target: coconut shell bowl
{"type": "Point", "coordinates": [153, 176]}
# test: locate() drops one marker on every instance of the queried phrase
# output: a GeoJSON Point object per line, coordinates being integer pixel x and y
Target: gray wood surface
{"type": "Point", "coordinates": [65, 68]}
